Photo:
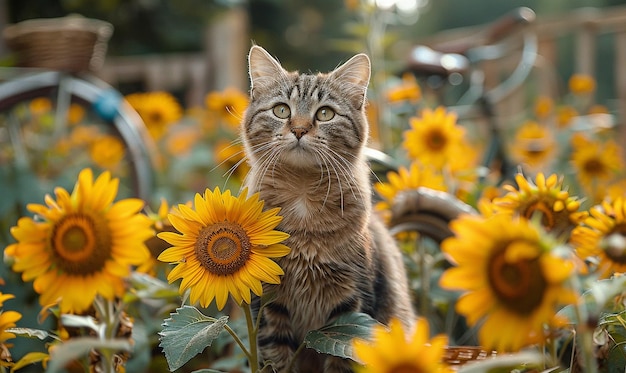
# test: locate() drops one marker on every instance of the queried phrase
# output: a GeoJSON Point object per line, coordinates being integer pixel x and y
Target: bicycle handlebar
{"type": "Point", "coordinates": [508, 24]}
{"type": "Point", "coordinates": [456, 56]}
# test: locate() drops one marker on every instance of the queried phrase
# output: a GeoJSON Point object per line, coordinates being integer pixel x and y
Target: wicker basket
{"type": "Point", "coordinates": [457, 356]}
{"type": "Point", "coordinates": [73, 43]}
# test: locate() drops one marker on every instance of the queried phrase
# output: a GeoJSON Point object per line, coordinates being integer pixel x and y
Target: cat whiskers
{"type": "Point", "coordinates": [234, 167]}
{"type": "Point", "coordinates": [323, 158]}
{"type": "Point", "coordinates": [345, 166]}
{"type": "Point", "coordinates": [269, 155]}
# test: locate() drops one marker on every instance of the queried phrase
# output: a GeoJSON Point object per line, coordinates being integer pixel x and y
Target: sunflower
{"type": "Point", "coordinates": [225, 246]}
{"type": "Point", "coordinates": [179, 143]}
{"type": "Point", "coordinates": [595, 162]}
{"type": "Point", "coordinates": [159, 110]}
{"type": "Point", "coordinates": [391, 351]}
{"type": "Point", "coordinates": [533, 144]}
{"type": "Point", "coordinates": [543, 107]}
{"type": "Point", "coordinates": [602, 236]}
{"type": "Point", "coordinates": [7, 319]}
{"type": "Point", "coordinates": [565, 115]}
{"type": "Point", "coordinates": [107, 151]}
{"type": "Point", "coordinates": [228, 104]}
{"type": "Point", "coordinates": [409, 90]}
{"type": "Point", "coordinates": [160, 223]}
{"type": "Point", "coordinates": [510, 279]}
{"type": "Point", "coordinates": [581, 84]}
{"type": "Point", "coordinates": [616, 189]}
{"type": "Point", "coordinates": [40, 106]}
{"type": "Point", "coordinates": [83, 244]}
{"type": "Point", "coordinates": [231, 157]}
{"type": "Point", "coordinates": [434, 137]}
{"type": "Point", "coordinates": [417, 175]}
{"type": "Point", "coordinates": [75, 113]}
{"type": "Point", "coordinates": [557, 209]}
{"type": "Point", "coordinates": [84, 135]}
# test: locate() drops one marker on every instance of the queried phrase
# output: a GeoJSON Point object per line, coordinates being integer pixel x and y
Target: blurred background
{"type": "Point", "coordinates": [208, 40]}
{"type": "Point", "coordinates": [192, 53]}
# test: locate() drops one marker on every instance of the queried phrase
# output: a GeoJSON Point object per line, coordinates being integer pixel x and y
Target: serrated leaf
{"type": "Point", "coordinates": [78, 347]}
{"type": "Point", "coordinates": [187, 333]}
{"type": "Point", "coordinates": [336, 338]}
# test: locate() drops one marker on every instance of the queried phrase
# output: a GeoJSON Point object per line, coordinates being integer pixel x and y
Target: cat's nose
{"type": "Point", "coordinates": [299, 132]}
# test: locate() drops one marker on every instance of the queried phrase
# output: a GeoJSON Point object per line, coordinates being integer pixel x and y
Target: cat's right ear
{"type": "Point", "coordinates": [263, 69]}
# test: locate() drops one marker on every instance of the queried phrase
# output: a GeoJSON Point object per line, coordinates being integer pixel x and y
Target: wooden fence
{"type": "Point", "coordinates": [220, 64]}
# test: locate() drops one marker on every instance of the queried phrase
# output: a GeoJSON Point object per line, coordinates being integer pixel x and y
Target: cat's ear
{"type": "Point", "coordinates": [355, 73]}
{"type": "Point", "coordinates": [263, 68]}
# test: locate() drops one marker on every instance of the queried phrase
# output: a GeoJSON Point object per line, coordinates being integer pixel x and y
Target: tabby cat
{"type": "Point", "coordinates": [304, 137]}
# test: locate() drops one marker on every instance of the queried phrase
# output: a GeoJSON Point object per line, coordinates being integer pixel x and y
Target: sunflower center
{"type": "Point", "coordinates": [436, 140]}
{"type": "Point", "coordinates": [223, 248]}
{"type": "Point", "coordinates": [547, 214]}
{"type": "Point", "coordinates": [81, 243]}
{"type": "Point", "coordinates": [594, 166]}
{"type": "Point", "coordinates": [518, 284]}
{"type": "Point", "coordinates": [155, 117]}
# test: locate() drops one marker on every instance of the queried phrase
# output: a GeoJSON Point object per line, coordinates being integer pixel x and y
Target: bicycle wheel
{"type": "Point", "coordinates": [420, 221]}
{"type": "Point", "coordinates": [427, 212]}
{"type": "Point", "coordinates": [41, 140]}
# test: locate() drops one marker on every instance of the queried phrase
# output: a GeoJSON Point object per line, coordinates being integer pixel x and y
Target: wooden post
{"type": "Point", "coordinates": [620, 82]}
{"type": "Point", "coordinates": [227, 49]}
{"type": "Point", "coordinates": [586, 42]}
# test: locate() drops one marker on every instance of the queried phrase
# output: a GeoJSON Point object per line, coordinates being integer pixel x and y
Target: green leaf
{"type": "Point", "coordinates": [336, 338]}
{"type": "Point", "coordinates": [187, 333]}
{"type": "Point", "coordinates": [78, 347]}
{"type": "Point", "coordinates": [597, 299]}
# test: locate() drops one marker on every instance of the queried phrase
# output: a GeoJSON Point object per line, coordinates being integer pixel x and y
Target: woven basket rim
{"type": "Point", "coordinates": [73, 22]}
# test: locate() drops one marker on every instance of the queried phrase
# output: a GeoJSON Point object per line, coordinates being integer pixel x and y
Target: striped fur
{"type": "Point", "coordinates": [343, 259]}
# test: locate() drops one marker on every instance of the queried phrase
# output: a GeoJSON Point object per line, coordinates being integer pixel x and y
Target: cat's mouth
{"type": "Point", "coordinates": [300, 154]}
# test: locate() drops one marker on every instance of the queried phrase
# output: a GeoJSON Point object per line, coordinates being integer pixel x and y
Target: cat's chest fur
{"type": "Point", "coordinates": [330, 244]}
{"type": "Point", "coordinates": [316, 203]}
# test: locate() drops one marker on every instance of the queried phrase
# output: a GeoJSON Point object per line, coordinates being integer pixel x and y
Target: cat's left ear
{"type": "Point", "coordinates": [356, 73]}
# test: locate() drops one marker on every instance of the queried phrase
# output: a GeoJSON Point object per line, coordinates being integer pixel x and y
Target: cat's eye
{"type": "Point", "coordinates": [282, 111]}
{"type": "Point", "coordinates": [324, 114]}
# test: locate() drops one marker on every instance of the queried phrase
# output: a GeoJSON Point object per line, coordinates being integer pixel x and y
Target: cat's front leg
{"type": "Point", "coordinates": [337, 365]}
{"type": "Point", "coordinates": [276, 341]}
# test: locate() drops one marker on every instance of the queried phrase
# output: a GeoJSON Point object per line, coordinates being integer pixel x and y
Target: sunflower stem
{"type": "Point", "coordinates": [106, 309]}
{"type": "Point", "coordinates": [584, 335]}
{"type": "Point", "coordinates": [254, 356]}
{"type": "Point", "coordinates": [424, 276]}
{"type": "Point", "coordinates": [238, 341]}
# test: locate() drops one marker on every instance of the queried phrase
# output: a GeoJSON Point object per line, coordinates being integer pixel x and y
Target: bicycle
{"type": "Point", "coordinates": [423, 215]}
{"type": "Point", "coordinates": [456, 62]}
{"type": "Point", "coordinates": [56, 60]}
